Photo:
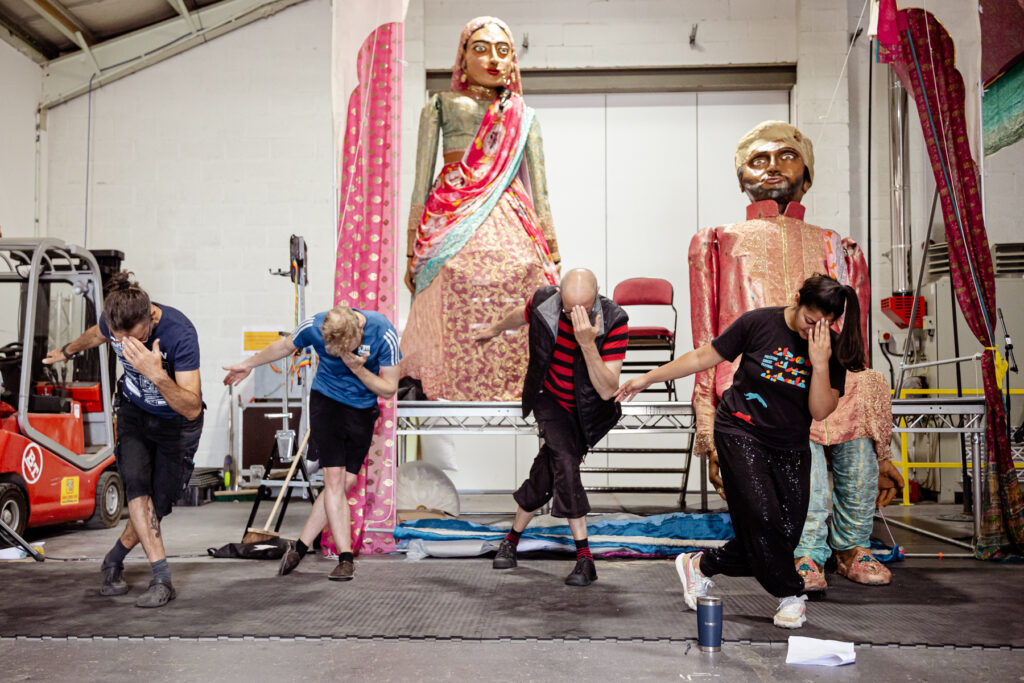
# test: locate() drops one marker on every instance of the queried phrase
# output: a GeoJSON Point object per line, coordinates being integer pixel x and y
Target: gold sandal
{"type": "Point", "coordinates": [864, 569]}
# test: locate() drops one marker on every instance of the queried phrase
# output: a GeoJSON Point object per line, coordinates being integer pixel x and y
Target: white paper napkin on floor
{"type": "Point", "coordinates": [819, 652]}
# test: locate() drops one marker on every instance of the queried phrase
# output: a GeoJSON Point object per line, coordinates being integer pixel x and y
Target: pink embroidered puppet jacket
{"type": "Point", "coordinates": [760, 262]}
{"type": "Point", "coordinates": [864, 412]}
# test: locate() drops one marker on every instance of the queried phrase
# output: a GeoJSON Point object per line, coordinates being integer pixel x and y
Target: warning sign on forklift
{"type": "Point", "coordinates": [69, 491]}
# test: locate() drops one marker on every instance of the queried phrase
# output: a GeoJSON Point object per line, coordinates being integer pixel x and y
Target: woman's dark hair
{"type": "Point", "coordinates": [827, 295]}
{"type": "Point", "coordinates": [126, 304]}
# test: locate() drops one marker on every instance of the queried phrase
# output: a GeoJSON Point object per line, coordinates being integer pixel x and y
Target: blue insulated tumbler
{"type": "Point", "coordinates": [709, 624]}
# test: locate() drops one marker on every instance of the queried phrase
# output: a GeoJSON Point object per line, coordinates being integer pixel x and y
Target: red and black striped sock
{"type": "Point", "coordinates": [583, 550]}
{"type": "Point", "coordinates": [513, 537]}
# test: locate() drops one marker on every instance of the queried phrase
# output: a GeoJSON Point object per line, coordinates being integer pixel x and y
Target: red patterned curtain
{"type": "Point", "coordinates": [922, 55]}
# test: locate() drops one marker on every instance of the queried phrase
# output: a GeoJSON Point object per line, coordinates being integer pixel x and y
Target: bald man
{"type": "Point", "coordinates": [577, 343]}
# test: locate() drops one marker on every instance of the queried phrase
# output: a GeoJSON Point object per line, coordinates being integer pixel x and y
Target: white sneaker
{"type": "Point", "coordinates": [695, 584]}
{"type": "Point", "coordinates": [792, 612]}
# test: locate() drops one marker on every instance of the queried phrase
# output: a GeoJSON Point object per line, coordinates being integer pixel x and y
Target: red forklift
{"type": "Point", "coordinates": [56, 433]}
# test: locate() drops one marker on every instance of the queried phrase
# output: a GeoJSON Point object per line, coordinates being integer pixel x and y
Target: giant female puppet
{"type": "Point", "coordinates": [483, 231]}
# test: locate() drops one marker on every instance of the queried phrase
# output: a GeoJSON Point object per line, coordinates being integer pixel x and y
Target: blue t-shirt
{"type": "Point", "coordinates": [333, 378]}
{"type": "Point", "coordinates": [179, 347]}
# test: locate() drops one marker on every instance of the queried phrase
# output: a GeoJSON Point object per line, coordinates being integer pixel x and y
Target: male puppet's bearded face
{"type": "Point", "coordinates": [775, 171]}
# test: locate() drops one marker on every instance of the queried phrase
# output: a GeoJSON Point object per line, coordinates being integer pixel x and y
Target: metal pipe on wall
{"type": "Point", "coordinates": [899, 195]}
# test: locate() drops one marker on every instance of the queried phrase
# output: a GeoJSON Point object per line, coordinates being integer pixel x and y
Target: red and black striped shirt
{"type": "Point", "coordinates": [560, 376]}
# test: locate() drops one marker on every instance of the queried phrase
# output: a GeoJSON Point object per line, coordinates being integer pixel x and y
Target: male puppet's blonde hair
{"type": "Point", "coordinates": [341, 330]}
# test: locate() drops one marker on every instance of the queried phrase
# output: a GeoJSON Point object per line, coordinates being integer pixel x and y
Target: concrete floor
{"type": "Point", "coordinates": [189, 531]}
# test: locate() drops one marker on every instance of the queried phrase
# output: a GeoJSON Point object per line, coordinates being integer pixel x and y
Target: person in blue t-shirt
{"type": "Point", "coordinates": [159, 421]}
{"type": "Point", "coordinates": [358, 352]}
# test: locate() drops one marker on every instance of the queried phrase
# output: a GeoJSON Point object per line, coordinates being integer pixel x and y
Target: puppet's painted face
{"type": "Point", "coordinates": [488, 57]}
{"type": "Point", "coordinates": [774, 171]}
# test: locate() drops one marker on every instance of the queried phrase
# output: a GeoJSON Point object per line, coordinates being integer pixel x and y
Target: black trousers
{"type": "Point", "coordinates": [767, 490]}
{"type": "Point", "coordinates": [555, 473]}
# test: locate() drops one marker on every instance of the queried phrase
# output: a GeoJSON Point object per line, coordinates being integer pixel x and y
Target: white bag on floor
{"type": "Point", "coordinates": [439, 449]}
{"type": "Point", "coordinates": [421, 485]}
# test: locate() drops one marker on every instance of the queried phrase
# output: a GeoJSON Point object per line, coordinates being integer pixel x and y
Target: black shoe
{"type": "Point", "coordinates": [289, 561]}
{"type": "Point", "coordinates": [113, 580]}
{"type": "Point", "coordinates": [583, 574]}
{"type": "Point", "coordinates": [506, 557]}
{"type": "Point", "coordinates": [158, 594]}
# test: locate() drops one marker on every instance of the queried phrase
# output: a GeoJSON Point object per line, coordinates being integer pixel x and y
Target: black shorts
{"type": "Point", "coordinates": [154, 454]}
{"type": "Point", "coordinates": [340, 435]}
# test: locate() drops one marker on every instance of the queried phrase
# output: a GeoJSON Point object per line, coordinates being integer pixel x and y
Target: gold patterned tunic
{"type": "Point", "coordinates": [760, 262]}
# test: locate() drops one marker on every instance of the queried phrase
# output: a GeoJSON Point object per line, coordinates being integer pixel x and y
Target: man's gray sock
{"type": "Point", "coordinates": [161, 570]}
{"type": "Point", "coordinates": [116, 555]}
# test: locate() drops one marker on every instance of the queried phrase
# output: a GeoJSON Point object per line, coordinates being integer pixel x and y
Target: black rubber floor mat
{"type": "Point", "coordinates": [934, 602]}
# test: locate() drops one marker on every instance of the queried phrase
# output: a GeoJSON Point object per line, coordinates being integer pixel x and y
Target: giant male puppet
{"type": "Point", "coordinates": [763, 260]}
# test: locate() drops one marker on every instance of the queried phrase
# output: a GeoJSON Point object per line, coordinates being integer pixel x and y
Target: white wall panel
{"type": "Point", "coordinates": [722, 119]}
{"type": "Point", "coordinates": [573, 127]}
{"type": "Point", "coordinates": [20, 83]}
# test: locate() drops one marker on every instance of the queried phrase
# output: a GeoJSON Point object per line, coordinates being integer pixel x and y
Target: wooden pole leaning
{"type": "Point", "coordinates": [254, 535]}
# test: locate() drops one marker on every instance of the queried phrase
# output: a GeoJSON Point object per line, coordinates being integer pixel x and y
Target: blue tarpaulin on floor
{"type": "Point", "coordinates": [664, 535]}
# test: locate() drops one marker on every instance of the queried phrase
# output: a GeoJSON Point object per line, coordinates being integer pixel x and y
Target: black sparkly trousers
{"type": "Point", "coordinates": [767, 490]}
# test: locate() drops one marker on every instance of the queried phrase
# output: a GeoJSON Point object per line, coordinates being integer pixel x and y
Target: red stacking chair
{"type": "Point", "coordinates": [657, 343]}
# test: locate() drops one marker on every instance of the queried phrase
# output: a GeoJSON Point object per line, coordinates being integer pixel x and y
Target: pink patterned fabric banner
{"type": "Point", "coordinates": [366, 274]}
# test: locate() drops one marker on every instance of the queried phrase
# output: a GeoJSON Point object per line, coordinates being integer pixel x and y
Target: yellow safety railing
{"type": "Point", "coordinates": [904, 463]}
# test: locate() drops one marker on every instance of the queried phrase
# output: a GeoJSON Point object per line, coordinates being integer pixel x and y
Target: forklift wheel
{"type": "Point", "coordinates": [13, 507]}
{"type": "Point", "coordinates": [109, 502]}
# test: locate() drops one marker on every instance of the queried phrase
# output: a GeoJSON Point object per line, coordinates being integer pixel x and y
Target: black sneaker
{"type": "Point", "coordinates": [506, 557]}
{"type": "Point", "coordinates": [583, 574]}
{"type": "Point", "coordinates": [289, 561]}
{"type": "Point", "coordinates": [113, 580]}
{"type": "Point", "coordinates": [158, 594]}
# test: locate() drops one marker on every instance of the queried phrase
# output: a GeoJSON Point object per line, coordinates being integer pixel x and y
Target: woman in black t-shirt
{"type": "Point", "coordinates": [792, 369]}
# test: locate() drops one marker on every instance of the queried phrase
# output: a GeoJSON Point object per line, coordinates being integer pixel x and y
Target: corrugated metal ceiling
{"type": "Point", "coordinates": [45, 25]}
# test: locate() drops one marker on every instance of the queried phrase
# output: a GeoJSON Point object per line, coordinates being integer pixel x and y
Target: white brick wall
{"type": "Point", "coordinates": [202, 166]}
{"type": "Point", "coordinates": [20, 83]}
{"type": "Point", "coordinates": [588, 33]}
{"type": "Point", "coordinates": [822, 110]}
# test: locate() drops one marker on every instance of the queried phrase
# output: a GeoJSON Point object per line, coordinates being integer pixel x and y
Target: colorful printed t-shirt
{"type": "Point", "coordinates": [333, 378]}
{"type": "Point", "coordinates": [560, 375]}
{"type": "Point", "coordinates": [179, 350]}
{"type": "Point", "coordinates": [768, 396]}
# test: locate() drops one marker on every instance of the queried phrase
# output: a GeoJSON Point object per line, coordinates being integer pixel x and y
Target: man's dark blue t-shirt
{"type": "Point", "coordinates": [179, 347]}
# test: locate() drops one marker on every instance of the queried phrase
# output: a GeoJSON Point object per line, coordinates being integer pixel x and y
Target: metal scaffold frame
{"type": "Point", "coordinates": [910, 416]}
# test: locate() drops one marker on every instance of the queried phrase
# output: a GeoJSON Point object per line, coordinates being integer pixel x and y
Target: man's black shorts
{"type": "Point", "coordinates": [340, 435]}
{"type": "Point", "coordinates": [154, 454]}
